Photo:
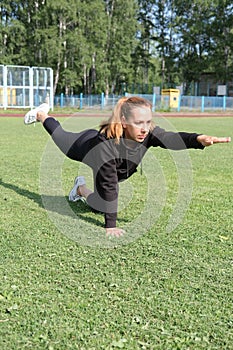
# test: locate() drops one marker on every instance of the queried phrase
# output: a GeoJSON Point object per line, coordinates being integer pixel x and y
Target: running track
{"type": "Point", "coordinates": [107, 114]}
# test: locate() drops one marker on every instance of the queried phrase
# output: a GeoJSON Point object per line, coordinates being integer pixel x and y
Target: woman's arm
{"type": "Point", "coordinates": [105, 196]}
{"type": "Point", "coordinates": [182, 140]}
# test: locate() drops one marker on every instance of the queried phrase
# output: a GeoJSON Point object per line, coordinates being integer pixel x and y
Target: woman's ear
{"type": "Point", "coordinates": [123, 122]}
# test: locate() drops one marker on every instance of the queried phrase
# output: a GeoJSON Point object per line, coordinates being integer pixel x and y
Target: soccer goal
{"type": "Point", "coordinates": [25, 87]}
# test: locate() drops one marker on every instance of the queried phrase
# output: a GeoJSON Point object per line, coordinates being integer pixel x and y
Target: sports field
{"type": "Point", "coordinates": [168, 287]}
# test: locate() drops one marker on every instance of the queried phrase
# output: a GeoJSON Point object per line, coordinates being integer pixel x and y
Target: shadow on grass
{"type": "Point", "coordinates": [52, 204]}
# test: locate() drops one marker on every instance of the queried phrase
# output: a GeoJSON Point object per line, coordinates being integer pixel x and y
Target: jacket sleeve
{"type": "Point", "coordinates": [105, 196]}
{"type": "Point", "coordinates": [174, 140]}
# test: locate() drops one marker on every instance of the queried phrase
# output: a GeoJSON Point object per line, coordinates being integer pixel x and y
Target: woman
{"type": "Point", "coordinates": [115, 151]}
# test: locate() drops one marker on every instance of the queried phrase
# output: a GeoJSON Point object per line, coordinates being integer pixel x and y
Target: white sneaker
{"type": "Point", "coordinates": [73, 196]}
{"type": "Point", "coordinates": [30, 117]}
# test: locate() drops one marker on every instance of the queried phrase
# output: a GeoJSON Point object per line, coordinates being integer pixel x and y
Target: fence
{"type": "Point", "coordinates": [91, 101]}
{"type": "Point", "coordinates": [206, 87]}
{"type": "Point", "coordinates": [25, 87]}
{"type": "Point", "coordinates": [159, 102]}
{"type": "Point", "coordinates": [205, 103]}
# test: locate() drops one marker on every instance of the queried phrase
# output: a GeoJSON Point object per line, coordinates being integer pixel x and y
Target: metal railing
{"type": "Point", "coordinates": [159, 102]}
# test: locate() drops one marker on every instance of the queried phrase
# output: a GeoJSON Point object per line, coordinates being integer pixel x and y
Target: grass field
{"type": "Point", "coordinates": [163, 290]}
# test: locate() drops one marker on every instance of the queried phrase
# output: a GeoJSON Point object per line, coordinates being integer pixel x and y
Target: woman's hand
{"type": "Point", "coordinates": [114, 232]}
{"type": "Point", "coordinates": [206, 140]}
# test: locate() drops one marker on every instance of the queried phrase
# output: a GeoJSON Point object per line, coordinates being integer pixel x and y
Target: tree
{"type": "Point", "coordinates": [160, 33]}
{"type": "Point", "coordinates": [12, 34]}
{"type": "Point", "coordinates": [193, 19]}
{"type": "Point", "coordinates": [120, 42]}
{"type": "Point", "coordinates": [221, 50]}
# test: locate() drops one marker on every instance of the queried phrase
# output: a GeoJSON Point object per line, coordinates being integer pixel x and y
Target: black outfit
{"type": "Point", "coordinates": [111, 162]}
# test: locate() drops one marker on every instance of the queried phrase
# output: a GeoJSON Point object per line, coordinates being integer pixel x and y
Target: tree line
{"type": "Point", "coordinates": [98, 46]}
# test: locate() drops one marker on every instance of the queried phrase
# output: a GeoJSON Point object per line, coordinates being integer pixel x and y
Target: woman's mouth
{"type": "Point", "coordinates": [141, 137]}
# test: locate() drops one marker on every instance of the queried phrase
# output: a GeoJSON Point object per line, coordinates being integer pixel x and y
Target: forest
{"type": "Point", "coordinates": [98, 46]}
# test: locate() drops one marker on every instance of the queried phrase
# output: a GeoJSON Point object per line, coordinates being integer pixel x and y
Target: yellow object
{"type": "Point", "coordinates": [11, 96]}
{"type": "Point", "coordinates": [174, 95]}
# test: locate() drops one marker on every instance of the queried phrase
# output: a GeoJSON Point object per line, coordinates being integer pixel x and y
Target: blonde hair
{"type": "Point", "coordinates": [124, 107]}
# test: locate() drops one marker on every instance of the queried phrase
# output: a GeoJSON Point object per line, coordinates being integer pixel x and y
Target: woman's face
{"type": "Point", "coordinates": [137, 126]}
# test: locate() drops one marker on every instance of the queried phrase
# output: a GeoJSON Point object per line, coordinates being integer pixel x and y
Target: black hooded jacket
{"type": "Point", "coordinates": [112, 162]}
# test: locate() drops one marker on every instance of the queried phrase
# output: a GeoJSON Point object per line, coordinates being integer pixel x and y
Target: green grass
{"type": "Point", "coordinates": [56, 110]}
{"type": "Point", "coordinates": [163, 290]}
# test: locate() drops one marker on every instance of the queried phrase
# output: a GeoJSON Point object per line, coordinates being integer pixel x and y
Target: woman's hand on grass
{"type": "Point", "coordinates": [206, 140]}
{"type": "Point", "coordinates": [114, 232]}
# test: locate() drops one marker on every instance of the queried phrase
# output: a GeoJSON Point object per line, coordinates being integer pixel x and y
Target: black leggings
{"type": "Point", "coordinates": [74, 145]}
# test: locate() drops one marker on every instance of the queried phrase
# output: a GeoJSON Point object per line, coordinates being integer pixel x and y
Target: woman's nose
{"type": "Point", "coordinates": [145, 128]}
